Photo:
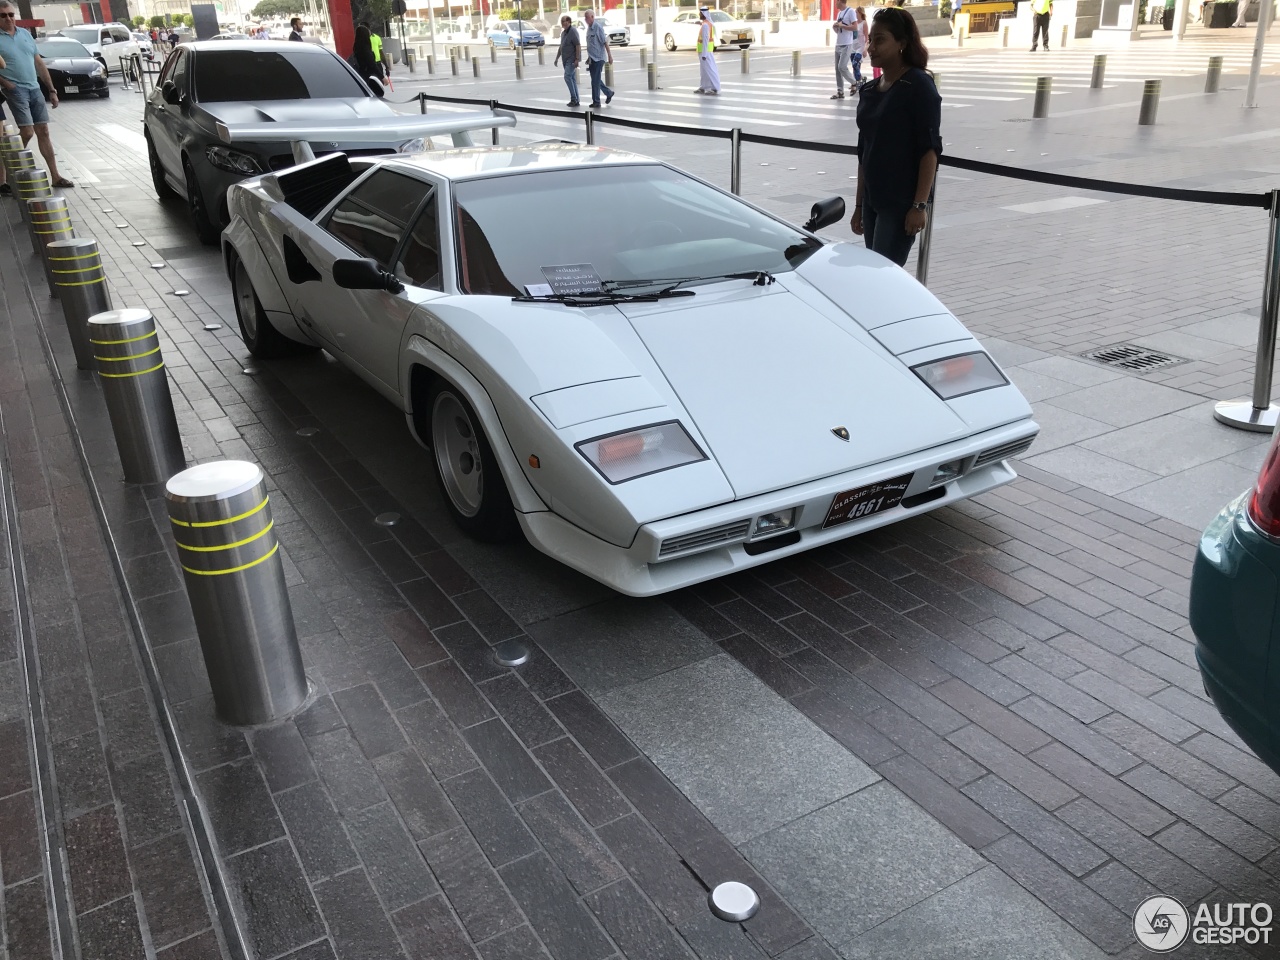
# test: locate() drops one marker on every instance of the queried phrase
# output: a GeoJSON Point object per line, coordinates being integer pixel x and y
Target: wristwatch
{"type": "Point", "coordinates": [920, 205]}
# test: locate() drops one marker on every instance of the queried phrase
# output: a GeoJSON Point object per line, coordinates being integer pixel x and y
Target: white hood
{"type": "Point", "coordinates": [767, 407]}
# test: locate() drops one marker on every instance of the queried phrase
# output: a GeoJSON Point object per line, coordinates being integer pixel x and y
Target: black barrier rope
{"type": "Point", "coordinates": [1216, 197]}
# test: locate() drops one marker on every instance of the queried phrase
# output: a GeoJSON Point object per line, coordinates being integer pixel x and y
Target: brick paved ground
{"type": "Point", "coordinates": [979, 733]}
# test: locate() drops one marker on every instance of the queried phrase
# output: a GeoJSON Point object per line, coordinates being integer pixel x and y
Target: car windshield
{"type": "Point", "coordinates": [719, 16]}
{"type": "Point", "coordinates": [231, 75]}
{"type": "Point", "coordinates": [81, 34]}
{"type": "Point", "coordinates": [61, 49]}
{"type": "Point", "coordinates": [680, 229]}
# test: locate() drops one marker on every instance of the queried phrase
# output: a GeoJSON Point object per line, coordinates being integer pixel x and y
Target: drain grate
{"type": "Point", "coordinates": [1132, 357]}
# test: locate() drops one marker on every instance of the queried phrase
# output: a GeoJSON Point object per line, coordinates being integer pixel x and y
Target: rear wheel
{"type": "Point", "coordinates": [206, 230]}
{"type": "Point", "coordinates": [669, 42]}
{"type": "Point", "coordinates": [263, 340]}
{"type": "Point", "coordinates": [467, 469]}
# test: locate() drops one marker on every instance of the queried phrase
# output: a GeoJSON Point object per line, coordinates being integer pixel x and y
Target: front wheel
{"type": "Point", "coordinates": [467, 470]}
{"type": "Point", "coordinates": [206, 230]}
{"type": "Point", "coordinates": [669, 42]}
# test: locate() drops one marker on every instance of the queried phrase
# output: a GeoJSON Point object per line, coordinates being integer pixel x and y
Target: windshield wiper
{"type": "Point", "coordinates": [603, 298]}
{"type": "Point", "coordinates": [672, 285]}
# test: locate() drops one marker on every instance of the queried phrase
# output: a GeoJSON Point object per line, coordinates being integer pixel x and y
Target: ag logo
{"type": "Point", "coordinates": [1161, 924]}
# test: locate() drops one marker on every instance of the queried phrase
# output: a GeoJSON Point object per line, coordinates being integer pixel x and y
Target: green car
{"type": "Point", "coordinates": [1233, 611]}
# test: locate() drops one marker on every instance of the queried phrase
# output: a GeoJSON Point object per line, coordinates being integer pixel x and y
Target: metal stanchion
{"type": "Point", "coordinates": [30, 185]}
{"type": "Point", "coordinates": [50, 220]}
{"type": "Point", "coordinates": [422, 104]}
{"type": "Point", "coordinates": [1099, 71]}
{"type": "Point", "coordinates": [735, 160]}
{"type": "Point", "coordinates": [795, 63]}
{"type": "Point", "coordinates": [82, 287]}
{"type": "Point", "coordinates": [608, 75]}
{"type": "Point", "coordinates": [135, 387]}
{"type": "Point", "coordinates": [475, 67]}
{"type": "Point", "coordinates": [221, 521]}
{"type": "Point", "coordinates": [590, 119]}
{"type": "Point", "coordinates": [453, 63]}
{"type": "Point", "coordinates": [1150, 100]}
{"type": "Point", "coordinates": [1213, 76]}
{"type": "Point", "coordinates": [926, 240]}
{"type": "Point", "coordinates": [1260, 414]}
{"type": "Point", "coordinates": [653, 76]}
{"type": "Point", "coordinates": [644, 58]}
{"type": "Point", "coordinates": [1044, 88]}
{"type": "Point", "coordinates": [493, 108]}
{"type": "Point", "coordinates": [746, 60]}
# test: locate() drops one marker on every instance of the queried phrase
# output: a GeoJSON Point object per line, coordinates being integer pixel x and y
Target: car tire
{"type": "Point", "coordinates": [158, 181]}
{"type": "Point", "coordinates": [511, 42]}
{"type": "Point", "coordinates": [669, 42]}
{"type": "Point", "coordinates": [474, 489]}
{"type": "Point", "coordinates": [206, 230]}
{"type": "Point", "coordinates": [264, 341]}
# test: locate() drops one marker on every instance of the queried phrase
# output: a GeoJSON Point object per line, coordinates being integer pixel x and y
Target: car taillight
{"type": "Point", "coordinates": [1264, 503]}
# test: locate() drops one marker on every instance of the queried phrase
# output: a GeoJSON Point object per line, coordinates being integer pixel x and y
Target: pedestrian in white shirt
{"type": "Point", "coordinates": [845, 26]}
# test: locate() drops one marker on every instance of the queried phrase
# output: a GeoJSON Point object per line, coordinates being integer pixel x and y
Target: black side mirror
{"type": "Point", "coordinates": [364, 274]}
{"type": "Point", "coordinates": [824, 213]}
{"type": "Point", "coordinates": [170, 93]}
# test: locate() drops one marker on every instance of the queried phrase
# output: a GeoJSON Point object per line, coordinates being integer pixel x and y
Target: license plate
{"type": "Point", "coordinates": [70, 89]}
{"type": "Point", "coordinates": [864, 501]}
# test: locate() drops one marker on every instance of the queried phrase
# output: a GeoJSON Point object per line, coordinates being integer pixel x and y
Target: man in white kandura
{"type": "Point", "coordinates": [708, 74]}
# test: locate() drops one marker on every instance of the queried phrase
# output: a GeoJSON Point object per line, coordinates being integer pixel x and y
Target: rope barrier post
{"type": "Point", "coordinates": [82, 287]}
{"type": "Point", "coordinates": [926, 241]}
{"type": "Point", "coordinates": [50, 221]}
{"type": "Point", "coordinates": [644, 58]}
{"type": "Point", "coordinates": [1260, 414]}
{"type": "Point", "coordinates": [590, 118]}
{"type": "Point", "coordinates": [1214, 74]}
{"type": "Point", "coordinates": [32, 184]}
{"type": "Point", "coordinates": [1150, 101]}
{"type": "Point", "coordinates": [1099, 71]}
{"type": "Point", "coordinates": [735, 160]}
{"type": "Point", "coordinates": [653, 76]}
{"type": "Point", "coordinates": [1044, 89]}
{"type": "Point", "coordinates": [475, 67]}
{"type": "Point", "coordinates": [608, 74]}
{"type": "Point", "coordinates": [135, 387]}
{"type": "Point", "coordinates": [795, 63]}
{"type": "Point", "coordinates": [422, 104]}
{"type": "Point", "coordinates": [222, 525]}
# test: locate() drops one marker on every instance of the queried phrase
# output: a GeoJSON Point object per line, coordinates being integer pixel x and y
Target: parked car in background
{"type": "Point", "coordinates": [72, 68]}
{"type": "Point", "coordinates": [231, 36]}
{"type": "Point", "coordinates": [235, 81]}
{"type": "Point", "coordinates": [619, 34]}
{"type": "Point", "coordinates": [108, 43]}
{"type": "Point", "coordinates": [508, 33]}
{"type": "Point", "coordinates": [683, 31]}
{"type": "Point", "coordinates": [1235, 615]}
{"type": "Point", "coordinates": [144, 44]}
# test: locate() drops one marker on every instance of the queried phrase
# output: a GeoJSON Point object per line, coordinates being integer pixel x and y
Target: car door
{"type": "Point", "coordinates": [167, 121]}
{"type": "Point", "coordinates": [388, 217]}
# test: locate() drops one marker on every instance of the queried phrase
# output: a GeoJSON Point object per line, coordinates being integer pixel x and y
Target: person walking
{"type": "Point", "coordinates": [1242, 8]}
{"type": "Point", "coordinates": [899, 139]}
{"type": "Point", "coordinates": [845, 26]}
{"type": "Point", "coordinates": [570, 52]}
{"type": "Point", "coordinates": [708, 72]}
{"type": "Point", "coordinates": [295, 30]}
{"type": "Point", "coordinates": [365, 62]}
{"type": "Point", "coordinates": [1042, 11]}
{"type": "Point", "coordinates": [21, 77]}
{"type": "Point", "coordinates": [598, 53]}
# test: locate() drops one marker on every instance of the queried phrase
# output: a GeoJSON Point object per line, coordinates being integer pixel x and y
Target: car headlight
{"type": "Point", "coordinates": [97, 71]}
{"type": "Point", "coordinates": [636, 453]}
{"type": "Point", "coordinates": [232, 161]}
{"type": "Point", "coordinates": [953, 377]}
{"type": "Point", "coordinates": [416, 145]}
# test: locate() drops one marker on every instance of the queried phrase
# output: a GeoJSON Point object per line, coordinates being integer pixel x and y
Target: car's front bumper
{"type": "Point", "coordinates": [85, 85]}
{"type": "Point", "coordinates": [636, 570]}
{"type": "Point", "coordinates": [1233, 611]}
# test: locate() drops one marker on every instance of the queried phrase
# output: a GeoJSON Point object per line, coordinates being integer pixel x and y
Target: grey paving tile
{"type": "Point", "coordinates": [358, 926]}
{"type": "Point", "coordinates": [239, 805]}
{"type": "Point", "coordinates": [20, 854]}
{"type": "Point", "coordinates": [957, 812]}
{"type": "Point", "coordinates": [394, 865]}
{"type": "Point", "coordinates": [370, 721]}
{"type": "Point", "coordinates": [1056, 840]}
{"type": "Point", "coordinates": [205, 946]}
{"type": "Point", "coordinates": [170, 887]}
{"type": "Point", "coordinates": [1013, 767]}
{"type": "Point", "coordinates": [902, 855]}
{"type": "Point", "coordinates": [645, 638]}
{"type": "Point", "coordinates": [511, 767]}
{"type": "Point", "coordinates": [561, 922]}
{"type": "Point", "coordinates": [593, 731]}
{"type": "Point", "coordinates": [348, 776]}
{"type": "Point", "coordinates": [1192, 496]}
{"type": "Point", "coordinates": [655, 868]}
{"type": "Point", "coordinates": [96, 859]}
{"type": "Point", "coordinates": [795, 767]}
{"type": "Point", "coordinates": [488, 812]}
{"type": "Point", "coordinates": [455, 694]}
{"type": "Point", "coordinates": [112, 931]}
{"type": "Point", "coordinates": [527, 717]}
{"type": "Point", "coordinates": [569, 842]}
{"type": "Point", "coordinates": [634, 925]}
{"type": "Point", "coordinates": [1076, 735]}
{"type": "Point", "coordinates": [970, 920]}
{"type": "Point", "coordinates": [471, 884]}
{"type": "Point", "coordinates": [518, 944]}
{"type": "Point", "coordinates": [528, 587]}
{"type": "Point", "coordinates": [283, 756]}
{"type": "Point", "coordinates": [146, 798]}
{"type": "Point", "coordinates": [316, 831]}
{"type": "Point", "coordinates": [430, 931]}
{"type": "Point", "coordinates": [416, 794]}
{"type": "Point", "coordinates": [591, 794]}
{"type": "Point", "coordinates": [436, 740]}
{"type": "Point", "coordinates": [81, 768]}
{"type": "Point", "coordinates": [26, 920]}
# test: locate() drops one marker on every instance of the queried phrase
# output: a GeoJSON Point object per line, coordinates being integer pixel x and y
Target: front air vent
{"type": "Point", "coordinates": [1128, 356]}
{"type": "Point", "coordinates": [1004, 451]}
{"type": "Point", "coordinates": [701, 539]}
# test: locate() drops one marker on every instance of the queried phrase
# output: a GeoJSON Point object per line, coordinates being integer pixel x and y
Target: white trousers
{"type": "Point", "coordinates": [708, 74]}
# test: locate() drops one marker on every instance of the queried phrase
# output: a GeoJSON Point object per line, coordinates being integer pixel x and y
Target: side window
{"type": "Point", "coordinates": [178, 71]}
{"type": "Point", "coordinates": [373, 216]}
{"type": "Point", "coordinates": [120, 35]}
{"type": "Point", "coordinates": [420, 260]}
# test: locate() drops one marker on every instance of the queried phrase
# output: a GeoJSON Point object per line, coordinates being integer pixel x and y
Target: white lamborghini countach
{"type": "Point", "coordinates": [654, 400]}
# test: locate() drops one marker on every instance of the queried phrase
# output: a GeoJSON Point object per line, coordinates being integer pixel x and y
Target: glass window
{"type": "Point", "coordinates": [57, 49]}
{"type": "Point", "coordinates": [87, 35]}
{"type": "Point", "coordinates": [178, 71]}
{"type": "Point", "coordinates": [372, 217]}
{"type": "Point", "coordinates": [230, 75]}
{"type": "Point", "coordinates": [420, 260]}
{"type": "Point", "coordinates": [120, 35]}
{"type": "Point", "coordinates": [682, 228]}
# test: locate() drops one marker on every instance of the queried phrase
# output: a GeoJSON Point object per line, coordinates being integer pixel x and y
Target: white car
{"type": "Point", "coordinates": [682, 33]}
{"type": "Point", "coordinates": [108, 43]}
{"type": "Point", "coordinates": [709, 389]}
{"type": "Point", "coordinates": [618, 34]}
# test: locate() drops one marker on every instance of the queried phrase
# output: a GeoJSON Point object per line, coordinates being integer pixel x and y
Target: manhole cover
{"type": "Point", "coordinates": [1131, 357]}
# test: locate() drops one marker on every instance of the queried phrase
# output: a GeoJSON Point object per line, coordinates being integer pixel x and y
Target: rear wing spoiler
{"type": "Point", "coordinates": [388, 130]}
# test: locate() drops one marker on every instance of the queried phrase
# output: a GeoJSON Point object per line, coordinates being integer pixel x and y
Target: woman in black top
{"type": "Point", "coordinates": [362, 52]}
{"type": "Point", "coordinates": [899, 141]}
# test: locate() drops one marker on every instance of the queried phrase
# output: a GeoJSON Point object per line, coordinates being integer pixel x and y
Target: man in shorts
{"type": "Point", "coordinates": [20, 78]}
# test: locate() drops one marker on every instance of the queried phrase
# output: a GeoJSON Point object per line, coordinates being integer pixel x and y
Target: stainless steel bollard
{"type": "Point", "coordinates": [17, 161]}
{"type": "Point", "coordinates": [542, 56]}
{"type": "Point", "coordinates": [431, 64]}
{"type": "Point", "coordinates": [826, 37]}
{"type": "Point", "coordinates": [135, 386]}
{"type": "Point", "coordinates": [1099, 71]}
{"type": "Point", "coordinates": [493, 54]}
{"type": "Point", "coordinates": [1065, 34]}
{"type": "Point", "coordinates": [453, 64]}
{"type": "Point", "coordinates": [82, 287]}
{"type": "Point", "coordinates": [519, 68]}
{"type": "Point", "coordinates": [221, 520]}
{"type": "Point", "coordinates": [409, 59]}
{"type": "Point", "coordinates": [30, 185]}
{"type": "Point", "coordinates": [653, 76]}
{"type": "Point", "coordinates": [644, 58]}
{"type": "Point", "coordinates": [1150, 101]}
{"type": "Point", "coordinates": [590, 119]}
{"type": "Point", "coordinates": [608, 75]}
{"type": "Point", "coordinates": [1044, 88]}
{"type": "Point", "coordinates": [466, 53]}
{"type": "Point", "coordinates": [10, 143]}
{"type": "Point", "coordinates": [746, 60]}
{"type": "Point", "coordinates": [475, 67]}
{"type": "Point", "coordinates": [1213, 76]}
{"type": "Point", "coordinates": [795, 63]}
{"type": "Point", "coordinates": [959, 35]}
{"type": "Point", "coordinates": [735, 160]}
{"type": "Point", "coordinates": [49, 219]}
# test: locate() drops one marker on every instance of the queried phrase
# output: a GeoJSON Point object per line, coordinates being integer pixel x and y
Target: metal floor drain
{"type": "Point", "coordinates": [1131, 357]}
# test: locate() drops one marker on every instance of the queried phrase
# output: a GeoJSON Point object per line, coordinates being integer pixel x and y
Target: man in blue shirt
{"type": "Point", "coordinates": [598, 53]}
{"type": "Point", "coordinates": [20, 77]}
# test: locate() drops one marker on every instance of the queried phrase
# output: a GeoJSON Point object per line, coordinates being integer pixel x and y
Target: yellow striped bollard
{"type": "Point", "coordinates": [49, 220]}
{"type": "Point", "coordinates": [76, 267]}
